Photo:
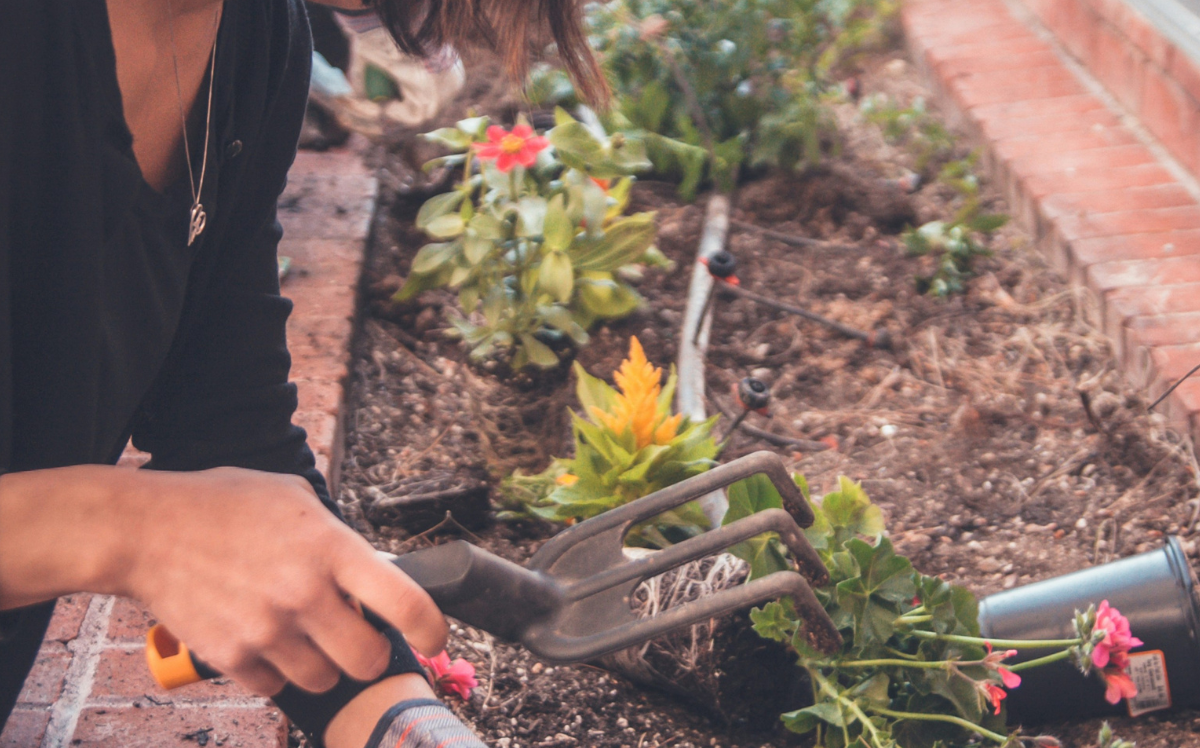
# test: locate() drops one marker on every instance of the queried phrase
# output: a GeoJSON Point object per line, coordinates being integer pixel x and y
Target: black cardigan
{"type": "Point", "coordinates": [110, 326]}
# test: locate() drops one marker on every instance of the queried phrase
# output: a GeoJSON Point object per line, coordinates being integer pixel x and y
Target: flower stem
{"type": "Point", "coordinates": [1008, 643]}
{"type": "Point", "coordinates": [925, 664]}
{"type": "Point", "coordinates": [1040, 661]}
{"type": "Point", "coordinates": [967, 724]}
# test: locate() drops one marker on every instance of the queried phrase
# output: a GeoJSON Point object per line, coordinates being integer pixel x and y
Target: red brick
{"type": "Point", "coordinates": [320, 397]}
{"type": "Point", "coordinates": [1036, 84]}
{"type": "Point", "coordinates": [1135, 247]}
{"type": "Point", "coordinates": [122, 676]}
{"type": "Point", "coordinates": [129, 621]}
{"type": "Point", "coordinates": [1173, 361]}
{"type": "Point", "coordinates": [1129, 222]}
{"type": "Point", "coordinates": [1171, 115]}
{"type": "Point", "coordinates": [335, 254]}
{"type": "Point", "coordinates": [1072, 22]}
{"type": "Point", "coordinates": [1087, 179]}
{"type": "Point", "coordinates": [1121, 304]}
{"type": "Point", "coordinates": [164, 726]}
{"type": "Point", "coordinates": [1116, 200]}
{"type": "Point", "coordinates": [988, 50]}
{"type": "Point", "coordinates": [1170, 271]}
{"type": "Point", "coordinates": [1062, 105]}
{"type": "Point", "coordinates": [1078, 140]}
{"type": "Point", "coordinates": [1005, 128]}
{"type": "Point", "coordinates": [44, 683]}
{"type": "Point", "coordinates": [1116, 64]}
{"type": "Point", "coordinates": [953, 68]}
{"type": "Point", "coordinates": [311, 329]}
{"type": "Point", "coordinates": [1139, 32]}
{"type": "Point", "coordinates": [1164, 329]}
{"type": "Point", "coordinates": [1186, 73]}
{"type": "Point", "coordinates": [68, 617]}
{"type": "Point", "coordinates": [25, 728]}
{"type": "Point", "coordinates": [1095, 158]}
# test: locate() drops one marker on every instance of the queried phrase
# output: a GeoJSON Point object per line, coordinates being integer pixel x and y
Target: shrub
{"type": "Point", "coordinates": [534, 237]}
{"type": "Point", "coordinates": [716, 85]}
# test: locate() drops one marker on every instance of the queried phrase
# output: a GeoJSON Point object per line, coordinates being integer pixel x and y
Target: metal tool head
{"type": "Point", "coordinates": [597, 579]}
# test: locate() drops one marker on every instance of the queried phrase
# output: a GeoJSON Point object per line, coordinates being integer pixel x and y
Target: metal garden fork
{"type": "Point", "coordinates": [572, 601]}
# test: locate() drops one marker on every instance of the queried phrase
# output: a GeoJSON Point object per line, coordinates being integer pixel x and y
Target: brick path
{"type": "Point", "coordinates": [1105, 199]}
{"type": "Point", "coordinates": [90, 686]}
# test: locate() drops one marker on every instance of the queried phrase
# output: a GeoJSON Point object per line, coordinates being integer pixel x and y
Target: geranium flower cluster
{"type": "Point", "coordinates": [457, 677]}
{"type": "Point", "coordinates": [1107, 641]}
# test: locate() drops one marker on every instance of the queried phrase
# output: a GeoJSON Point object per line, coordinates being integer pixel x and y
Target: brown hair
{"type": "Point", "coordinates": [508, 26]}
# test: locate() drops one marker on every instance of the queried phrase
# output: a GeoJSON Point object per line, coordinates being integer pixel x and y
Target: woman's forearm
{"type": "Point", "coordinates": [66, 530]}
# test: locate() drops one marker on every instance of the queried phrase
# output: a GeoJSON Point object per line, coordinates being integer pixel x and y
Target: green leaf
{"type": "Point", "coordinates": [873, 690]}
{"type": "Point", "coordinates": [873, 597]}
{"type": "Point", "coordinates": [624, 241]}
{"type": "Point", "coordinates": [556, 277]}
{"type": "Point", "coordinates": [485, 226]}
{"type": "Point", "coordinates": [986, 223]}
{"type": "Point", "coordinates": [560, 319]}
{"type": "Point", "coordinates": [575, 144]}
{"type": "Point", "coordinates": [476, 249]}
{"type": "Point", "coordinates": [438, 205]}
{"type": "Point", "coordinates": [592, 392]}
{"type": "Point", "coordinates": [807, 719]}
{"type": "Point", "coordinates": [751, 495]}
{"type": "Point", "coordinates": [558, 231]}
{"type": "Point", "coordinates": [452, 138]}
{"type": "Point", "coordinates": [476, 127]}
{"type": "Point", "coordinates": [606, 299]}
{"type": "Point", "coordinates": [850, 511]}
{"type": "Point", "coordinates": [538, 352]}
{"type": "Point", "coordinates": [432, 257]}
{"type": "Point", "coordinates": [531, 216]}
{"type": "Point", "coordinates": [445, 227]}
{"type": "Point", "coordinates": [776, 621]}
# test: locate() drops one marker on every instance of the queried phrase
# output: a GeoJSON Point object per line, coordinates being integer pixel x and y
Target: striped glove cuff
{"type": "Point", "coordinates": [422, 723]}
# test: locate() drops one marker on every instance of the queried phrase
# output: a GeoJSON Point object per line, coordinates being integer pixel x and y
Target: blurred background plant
{"type": "Point", "coordinates": [956, 242]}
{"type": "Point", "coordinates": [711, 87]}
{"type": "Point", "coordinates": [534, 237]}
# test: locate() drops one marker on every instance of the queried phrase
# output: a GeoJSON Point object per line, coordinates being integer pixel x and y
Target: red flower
{"type": "Point", "coordinates": [1118, 685]}
{"type": "Point", "coordinates": [456, 677]}
{"type": "Point", "coordinates": [995, 694]}
{"type": "Point", "coordinates": [992, 662]}
{"type": "Point", "coordinates": [519, 147]}
{"type": "Point", "coordinates": [1117, 641]}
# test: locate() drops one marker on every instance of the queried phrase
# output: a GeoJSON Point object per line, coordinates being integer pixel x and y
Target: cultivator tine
{"type": "Point", "coordinates": [819, 629]}
{"type": "Point", "coordinates": [640, 510]}
{"type": "Point", "coordinates": [776, 520]}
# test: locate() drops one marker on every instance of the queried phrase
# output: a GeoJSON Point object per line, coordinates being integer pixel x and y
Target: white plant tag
{"type": "Point", "coordinates": [1149, 673]}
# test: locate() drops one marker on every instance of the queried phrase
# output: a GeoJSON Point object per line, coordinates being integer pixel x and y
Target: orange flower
{"type": "Point", "coordinates": [566, 479]}
{"type": "Point", "coordinates": [636, 408]}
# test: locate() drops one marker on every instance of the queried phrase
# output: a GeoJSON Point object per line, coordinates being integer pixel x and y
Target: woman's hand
{"type": "Point", "coordinates": [248, 568]}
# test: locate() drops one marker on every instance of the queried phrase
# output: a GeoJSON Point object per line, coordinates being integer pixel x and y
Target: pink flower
{"type": "Point", "coordinates": [518, 147]}
{"type": "Point", "coordinates": [992, 662]}
{"type": "Point", "coordinates": [456, 677]}
{"type": "Point", "coordinates": [1117, 641]}
{"type": "Point", "coordinates": [1119, 685]}
{"type": "Point", "coordinates": [995, 694]}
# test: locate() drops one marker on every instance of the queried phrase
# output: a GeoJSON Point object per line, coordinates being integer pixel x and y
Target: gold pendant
{"type": "Point", "coordinates": [196, 224]}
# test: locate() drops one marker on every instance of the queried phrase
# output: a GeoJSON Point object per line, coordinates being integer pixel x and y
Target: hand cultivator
{"type": "Point", "coordinates": [571, 602]}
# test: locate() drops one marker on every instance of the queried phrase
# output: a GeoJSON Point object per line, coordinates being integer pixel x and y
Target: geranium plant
{"type": "Point", "coordinates": [534, 236]}
{"type": "Point", "coordinates": [914, 670]}
{"type": "Point", "coordinates": [627, 444]}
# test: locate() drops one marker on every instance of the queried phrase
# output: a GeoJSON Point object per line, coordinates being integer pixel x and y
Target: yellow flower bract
{"type": "Point", "coordinates": [636, 407]}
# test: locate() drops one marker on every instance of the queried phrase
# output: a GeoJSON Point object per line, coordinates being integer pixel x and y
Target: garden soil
{"type": "Point", "coordinates": [997, 437]}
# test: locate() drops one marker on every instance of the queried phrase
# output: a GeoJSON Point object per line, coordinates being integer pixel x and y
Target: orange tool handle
{"type": "Point", "coordinates": [171, 664]}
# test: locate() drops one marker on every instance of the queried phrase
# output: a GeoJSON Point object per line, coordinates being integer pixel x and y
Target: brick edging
{"type": "Point", "coordinates": [1103, 200]}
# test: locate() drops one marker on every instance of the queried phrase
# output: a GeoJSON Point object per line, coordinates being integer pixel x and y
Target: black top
{"type": "Point", "coordinates": [110, 326]}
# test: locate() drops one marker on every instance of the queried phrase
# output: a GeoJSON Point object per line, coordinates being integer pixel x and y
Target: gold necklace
{"type": "Point", "coordinates": [198, 219]}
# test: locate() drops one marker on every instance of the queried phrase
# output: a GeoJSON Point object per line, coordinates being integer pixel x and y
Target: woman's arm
{"type": "Point", "coordinates": [247, 567]}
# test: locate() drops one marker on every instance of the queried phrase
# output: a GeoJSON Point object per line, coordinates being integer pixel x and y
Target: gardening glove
{"type": "Point", "coordinates": [421, 723]}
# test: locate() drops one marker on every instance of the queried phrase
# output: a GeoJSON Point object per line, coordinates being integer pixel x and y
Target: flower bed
{"type": "Point", "coordinates": [972, 436]}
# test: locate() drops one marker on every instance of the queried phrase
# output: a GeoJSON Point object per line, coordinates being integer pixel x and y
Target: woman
{"type": "Point", "coordinates": [143, 145]}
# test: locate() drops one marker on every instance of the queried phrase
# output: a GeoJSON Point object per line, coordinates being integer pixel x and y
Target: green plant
{"type": "Point", "coordinates": [627, 445]}
{"type": "Point", "coordinates": [956, 242]}
{"type": "Point", "coordinates": [715, 85]}
{"type": "Point", "coordinates": [534, 236]}
{"type": "Point", "coordinates": [913, 671]}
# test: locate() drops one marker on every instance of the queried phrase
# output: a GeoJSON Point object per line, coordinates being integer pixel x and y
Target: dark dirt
{"type": "Point", "coordinates": [972, 434]}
